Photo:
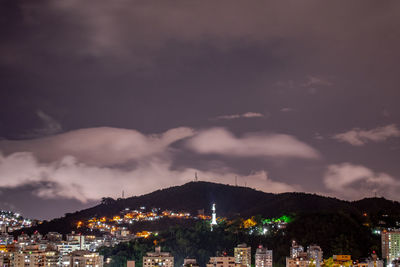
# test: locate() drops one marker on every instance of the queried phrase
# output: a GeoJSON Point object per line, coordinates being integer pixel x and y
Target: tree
{"type": "Point", "coordinates": [107, 200]}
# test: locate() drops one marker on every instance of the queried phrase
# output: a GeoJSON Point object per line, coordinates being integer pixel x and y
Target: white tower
{"type": "Point", "coordinates": [214, 215]}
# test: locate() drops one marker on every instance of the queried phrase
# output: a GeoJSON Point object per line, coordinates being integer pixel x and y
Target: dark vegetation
{"type": "Point", "coordinates": [335, 233]}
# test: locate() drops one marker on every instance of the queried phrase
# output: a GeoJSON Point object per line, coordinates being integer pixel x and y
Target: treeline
{"type": "Point", "coordinates": [336, 233]}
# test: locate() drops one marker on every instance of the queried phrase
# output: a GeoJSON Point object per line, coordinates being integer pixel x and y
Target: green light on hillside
{"type": "Point", "coordinates": [285, 219]}
{"type": "Point", "coordinates": [282, 219]}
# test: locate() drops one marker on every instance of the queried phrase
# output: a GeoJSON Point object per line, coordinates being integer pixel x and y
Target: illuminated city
{"type": "Point", "coordinates": [10, 221]}
{"type": "Point", "coordinates": [106, 234]}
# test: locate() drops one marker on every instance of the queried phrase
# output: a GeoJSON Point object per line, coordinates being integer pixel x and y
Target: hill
{"type": "Point", "coordinates": [232, 201]}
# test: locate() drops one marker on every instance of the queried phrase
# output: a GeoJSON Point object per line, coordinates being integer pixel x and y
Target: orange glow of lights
{"type": "Point", "coordinates": [144, 234]}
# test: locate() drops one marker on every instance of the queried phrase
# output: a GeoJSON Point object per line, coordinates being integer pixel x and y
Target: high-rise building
{"type": "Point", "coordinates": [35, 258]}
{"type": "Point", "coordinates": [54, 236]}
{"type": "Point", "coordinates": [66, 247]}
{"type": "Point", "coordinates": [315, 254]}
{"type": "Point", "coordinates": [298, 258]}
{"type": "Point", "coordinates": [6, 239]}
{"type": "Point", "coordinates": [390, 245]}
{"type": "Point", "coordinates": [27, 259]}
{"type": "Point", "coordinates": [36, 237]}
{"type": "Point", "coordinates": [263, 257]}
{"type": "Point", "coordinates": [296, 249]}
{"type": "Point", "coordinates": [242, 255]}
{"type": "Point", "coordinates": [373, 261]}
{"type": "Point", "coordinates": [82, 258]}
{"type": "Point", "coordinates": [222, 261]}
{"type": "Point", "coordinates": [297, 262]}
{"type": "Point", "coordinates": [395, 263]}
{"type": "Point", "coordinates": [6, 259]}
{"type": "Point", "coordinates": [158, 258]}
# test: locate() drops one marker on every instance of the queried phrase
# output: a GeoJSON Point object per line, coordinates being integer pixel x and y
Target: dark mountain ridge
{"type": "Point", "coordinates": [231, 201]}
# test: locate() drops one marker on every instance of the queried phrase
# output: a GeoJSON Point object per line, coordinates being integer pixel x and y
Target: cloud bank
{"type": "Point", "coordinates": [88, 164]}
{"type": "Point", "coordinates": [99, 146]}
{"type": "Point", "coordinates": [222, 142]}
{"type": "Point", "coordinates": [91, 163]}
{"type": "Point", "coordinates": [353, 181]}
{"type": "Point", "coordinates": [359, 137]}
{"type": "Point", "coordinates": [68, 178]}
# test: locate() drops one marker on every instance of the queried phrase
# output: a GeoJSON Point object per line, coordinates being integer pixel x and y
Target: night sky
{"type": "Point", "coordinates": [99, 97]}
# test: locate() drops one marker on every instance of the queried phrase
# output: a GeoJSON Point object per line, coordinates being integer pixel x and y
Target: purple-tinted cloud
{"type": "Point", "coordinates": [353, 181]}
{"type": "Point", "coordinates": [246, 115]}
{"type": "Point", "coordinates": [222, 142]}
{"type": "Point", "coordinates": [99, 146]}
{"type": "Point", "coordinates": [359, 137]}
{"type": "Point", "coordinates": [69, 178]}
{"type": "Point", "coordinates": [90, 163]}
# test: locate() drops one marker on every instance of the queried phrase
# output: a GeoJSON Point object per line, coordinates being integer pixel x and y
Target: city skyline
{"type": "Point", "coordinates": [101, 98]}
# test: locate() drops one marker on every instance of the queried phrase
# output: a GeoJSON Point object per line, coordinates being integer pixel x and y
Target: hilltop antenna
{"type": "Point", "coordinates": [195, 177]}
{"type": "Point", "coordinates": [123, 194]}
{"type": "Point", "coordinates": [235, 180]}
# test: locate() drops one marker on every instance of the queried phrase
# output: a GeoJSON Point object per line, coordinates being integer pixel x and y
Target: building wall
{"type": "Point", "coordinates": [243, 255]}
{"type": "Point", "coordinates": [263, 258]}
{"type": "Point", "coordinates": [29, 259]}
{"type": "Point", "coordinates": [153, 261]}
{"type": "Point", "coordinates": [83, 259]}
{"type": "Point", "coordinates": [315, 254]}
{"type": "Point", "coordinates": [221, 262]}
{"type": "Point", "coordinates": [296, 262]}
{"type": "Point", "coordinates": [390, 245]}
{"type": "Point", "coordinates": [378, 263]}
